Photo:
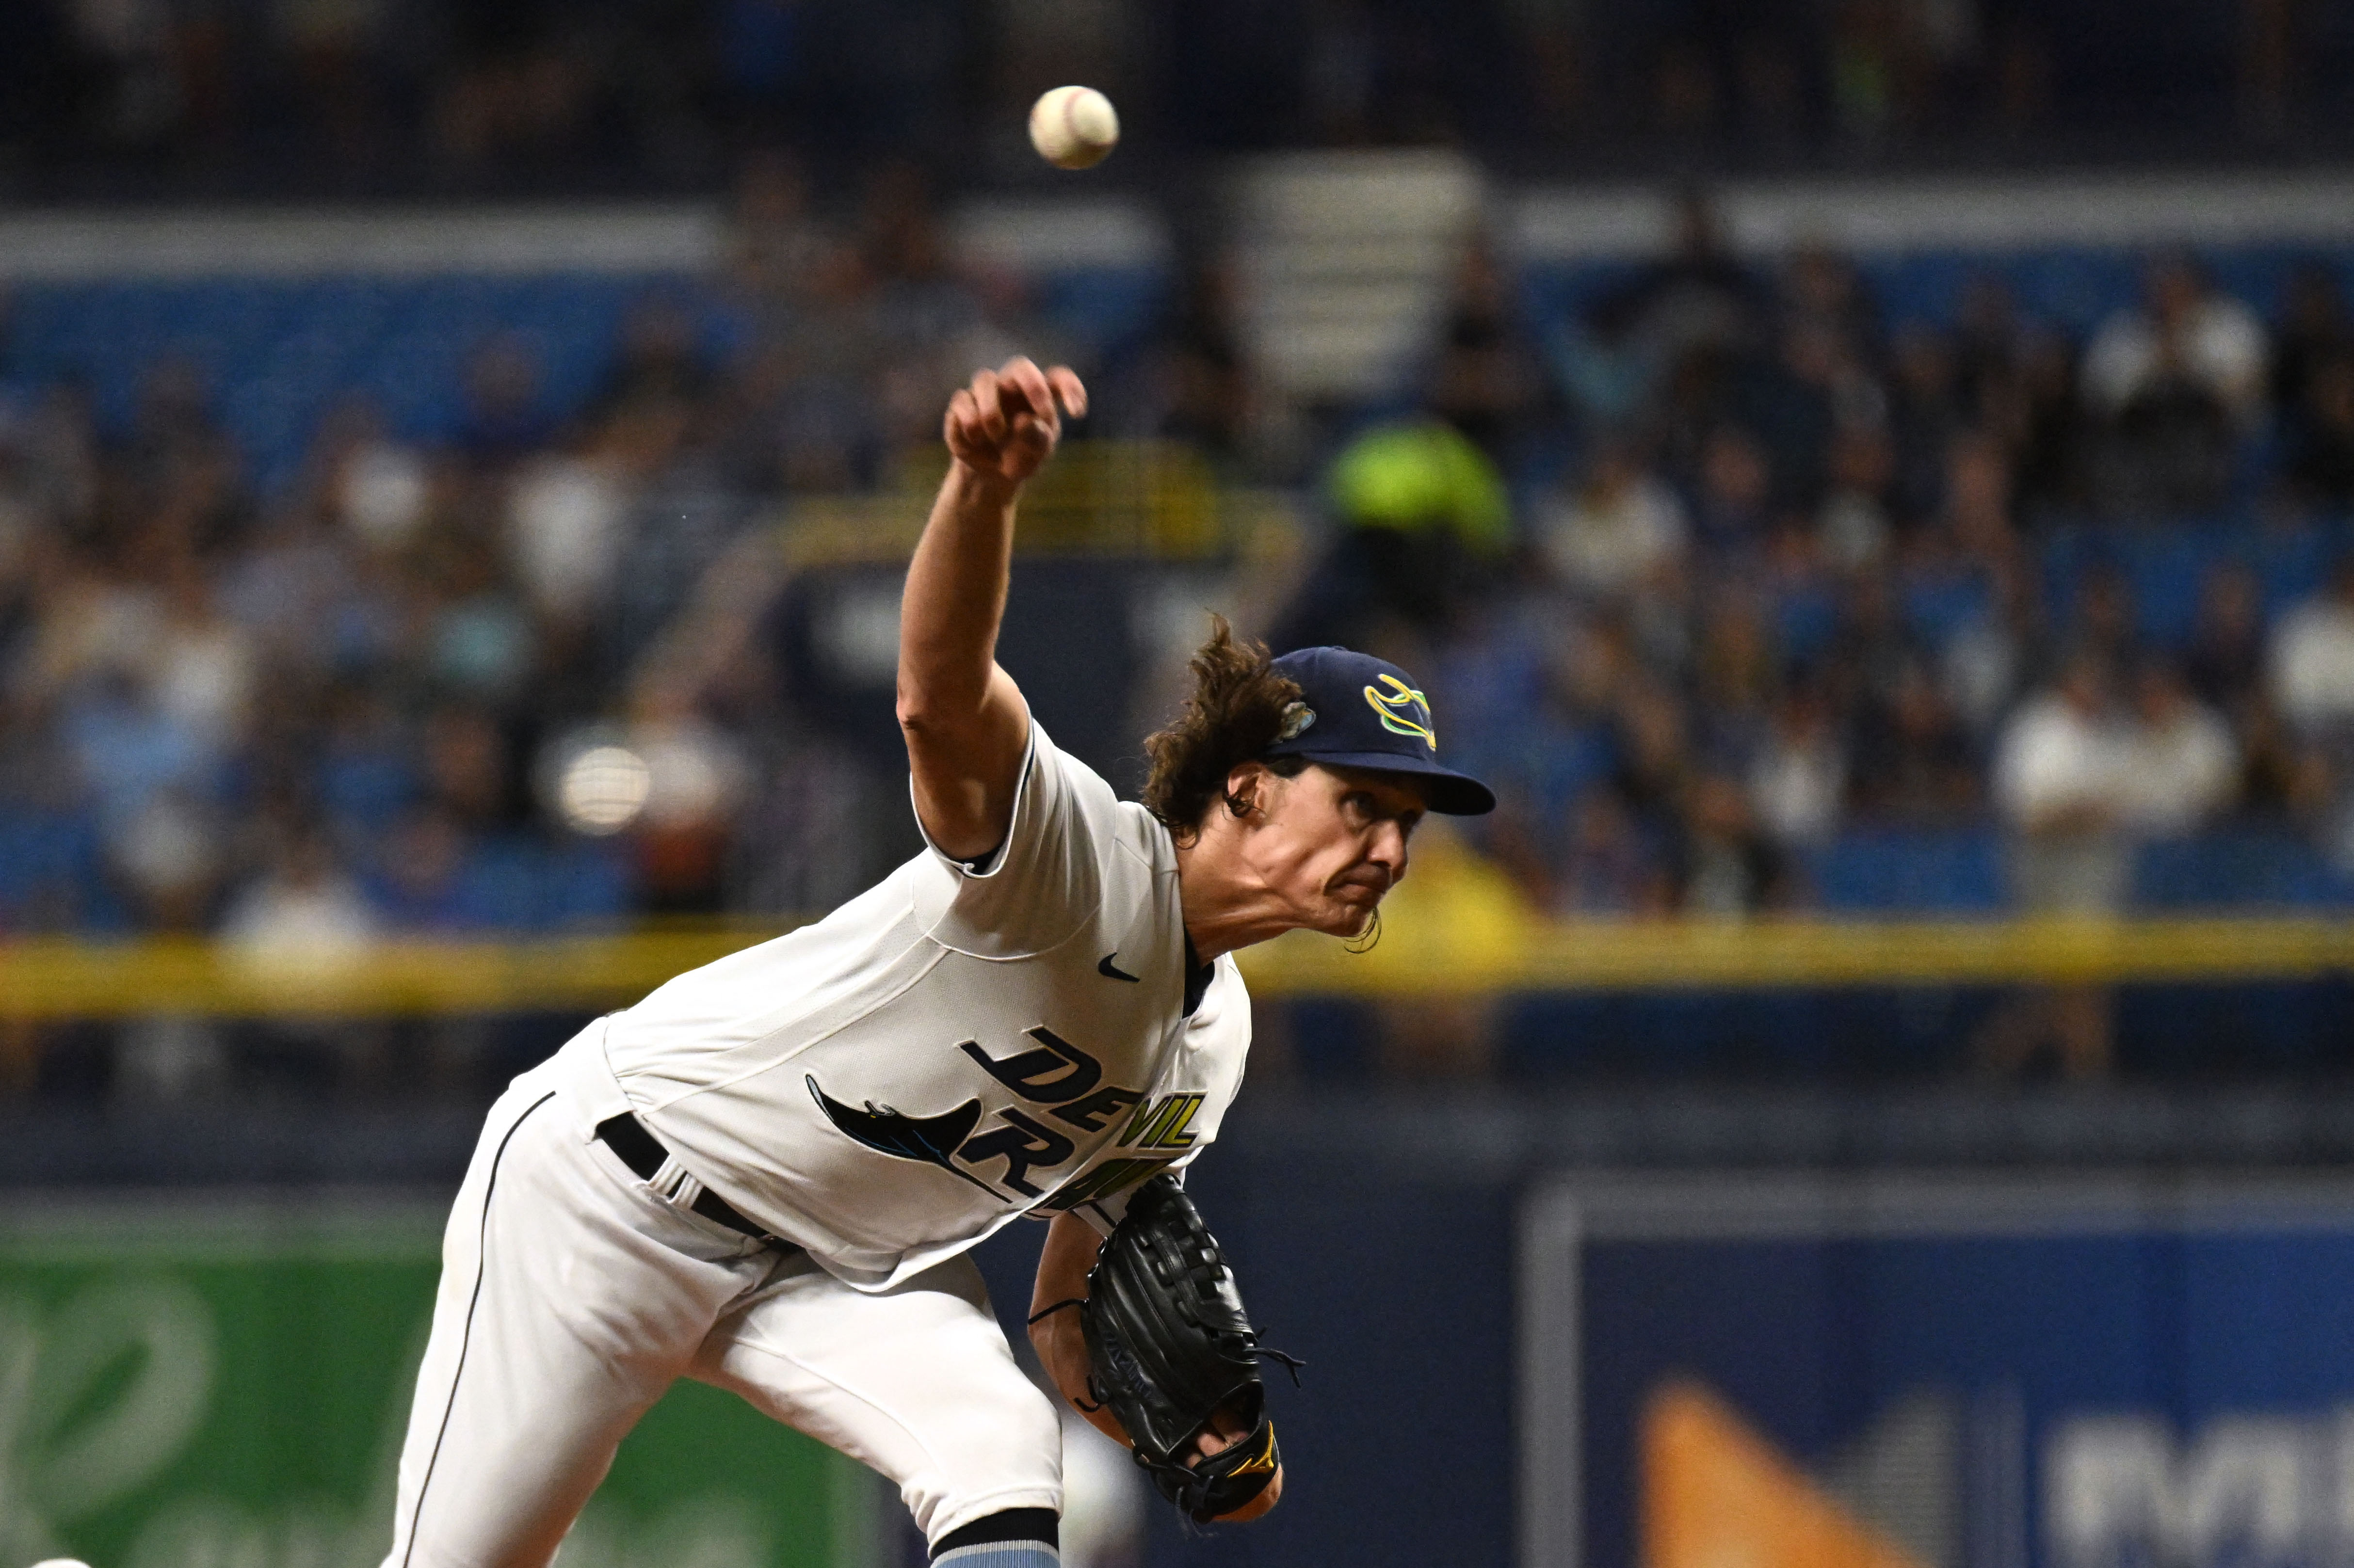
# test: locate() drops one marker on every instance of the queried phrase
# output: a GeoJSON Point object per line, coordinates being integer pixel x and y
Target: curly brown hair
{"type": "Point", "coordinates": [1235, 714]}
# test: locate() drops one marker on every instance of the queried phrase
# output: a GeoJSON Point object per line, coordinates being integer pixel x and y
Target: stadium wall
{"type": "Point", "coordinates": [1391, 1240]}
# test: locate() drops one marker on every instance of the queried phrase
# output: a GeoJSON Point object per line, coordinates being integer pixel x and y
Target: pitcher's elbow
{"type": "Point", "coordinates": [915, 710]}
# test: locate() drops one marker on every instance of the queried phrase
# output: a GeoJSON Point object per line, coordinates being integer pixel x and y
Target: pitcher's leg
{"type": "Point", "coordinates": [558, 1320]}
{"type": "Point", "coordinates": [916, 1382]}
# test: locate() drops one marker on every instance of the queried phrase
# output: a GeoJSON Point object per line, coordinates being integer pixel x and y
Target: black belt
{"type": "Point", "coordinates": [643, 1152]}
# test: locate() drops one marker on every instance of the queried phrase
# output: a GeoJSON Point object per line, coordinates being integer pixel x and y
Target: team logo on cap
{"type": "Point", "coordinates": [1403, 710]}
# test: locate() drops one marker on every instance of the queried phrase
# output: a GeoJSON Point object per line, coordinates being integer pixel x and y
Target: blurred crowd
{"type": "Point", "coordinates": [1730, 573]}
{"type": "Point", "coordinates": [340, 94]}
{"type": "Point", "coordinates": [1741, 593]}
{"type": "Point", "coordinates": [424, 686]}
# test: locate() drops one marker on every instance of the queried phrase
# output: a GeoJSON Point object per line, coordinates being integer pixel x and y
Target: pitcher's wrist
{"type": "Point", "coordinates": [973, 485]}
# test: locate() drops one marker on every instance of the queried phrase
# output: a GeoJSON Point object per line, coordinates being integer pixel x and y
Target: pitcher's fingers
{"type": "Point", "coordinates": [990, 404]}
{"type": "Point", "coordinates": [1033, 434]}
{"type": "Point", "coordinates": [963, 414]}
{"type": "Point", "coordinates": [1072, 390]}
{"type": "Point", "coordinates": [1022, 370]}
{"type": "Point", "coordinates": [1022, 378]}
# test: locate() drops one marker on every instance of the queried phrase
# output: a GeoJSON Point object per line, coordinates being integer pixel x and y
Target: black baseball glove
{"type": "Point", "coordinates": [1172, 1346]}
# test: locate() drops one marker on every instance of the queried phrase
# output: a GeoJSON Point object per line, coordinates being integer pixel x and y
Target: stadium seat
{"type": "Point", "coordinates": [2241, 867]}
{"type": "Point", "coordinates": [51, 876]}
{"type": "Point", "coordinates": [1885, 871]}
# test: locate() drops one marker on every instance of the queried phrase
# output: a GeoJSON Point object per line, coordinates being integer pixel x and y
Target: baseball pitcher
{"type": "Point", "coordinates": [767, 1175]}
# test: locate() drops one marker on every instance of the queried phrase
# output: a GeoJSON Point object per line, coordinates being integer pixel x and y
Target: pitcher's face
{"type": "Point", "coordinates": [1332, 841]}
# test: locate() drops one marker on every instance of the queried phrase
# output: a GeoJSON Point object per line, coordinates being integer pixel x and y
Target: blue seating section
{"type": "Point", "coordinates": [2073, 290]}
{"type": "Point", "coordinates": [2165, 568]}
{"type": "Point", "coordinates": [2239, 868]}
{"type": "Point", "coordinates": [51, 876]}
{"type": "Point", "coordinates": [1895, 871]}
{"type": "Point", "coordinates": [521, 884]}
{"type": "Point", "coordinates": [282, 352]}
{"type": "Point", "coordinates": [1102, 312]}
{"type": "Point", "coordinates": [53, 879]}
{"type": "Point", "coordinates": [1960, 872]}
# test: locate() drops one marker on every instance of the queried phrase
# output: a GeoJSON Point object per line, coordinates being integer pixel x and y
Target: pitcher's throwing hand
{"type": "Point", "coordinates": [1005, 424]}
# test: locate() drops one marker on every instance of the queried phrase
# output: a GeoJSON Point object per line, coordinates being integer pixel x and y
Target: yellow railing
{"type": "Point", "coordinates": [1140, 498]}
{"type": "Point", "coordinates": [1662, 955]}
{"type": "Point", "coordinates": [49, 978]}
{"type": "Point", "coordinates": [57, 978]}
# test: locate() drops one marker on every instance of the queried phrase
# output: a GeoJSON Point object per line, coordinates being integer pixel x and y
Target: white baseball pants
{"type": "Point", "coordinates": [572, 1294]}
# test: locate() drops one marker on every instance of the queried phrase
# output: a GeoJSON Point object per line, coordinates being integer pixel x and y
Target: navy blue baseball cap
{"type": "Point", "coordinates": [1357, 711]}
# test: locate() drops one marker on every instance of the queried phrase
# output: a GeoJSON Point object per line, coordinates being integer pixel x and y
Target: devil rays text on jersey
{"type": "Point", "coordinates": [1067, 1084]}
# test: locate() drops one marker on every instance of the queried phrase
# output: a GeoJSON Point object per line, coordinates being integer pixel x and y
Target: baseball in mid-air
{"type": "Point", "coordinates": [61, 1563]}
{"type": "Point", "coordinates": [1074, 127]}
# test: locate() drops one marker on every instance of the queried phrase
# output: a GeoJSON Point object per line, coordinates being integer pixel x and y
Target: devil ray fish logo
{"type": "Point", "coordinates": [1403, 710]}
{"type": "Point", "coordinates": [1063, 1081]}
{"type": "Point", "coordinates": [930, 1138]}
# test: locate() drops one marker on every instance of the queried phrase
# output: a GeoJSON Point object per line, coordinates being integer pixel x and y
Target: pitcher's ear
{"type": "Point", "coordinates": [1242, 786]}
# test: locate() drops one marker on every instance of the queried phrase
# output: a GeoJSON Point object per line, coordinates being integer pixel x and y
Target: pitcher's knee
{"type": "Point", "coordinates": [1011, 1459]}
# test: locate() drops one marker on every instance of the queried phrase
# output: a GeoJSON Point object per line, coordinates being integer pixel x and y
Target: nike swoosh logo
{"type": "Point", "coordinates": [1106, 970]}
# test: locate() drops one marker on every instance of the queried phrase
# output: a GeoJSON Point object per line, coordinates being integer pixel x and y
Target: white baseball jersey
{"type": "Point", "coordinates": [954, 1047]}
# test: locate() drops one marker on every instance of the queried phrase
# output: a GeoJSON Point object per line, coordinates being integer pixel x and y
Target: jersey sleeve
{"type": "Point", "coordinates": [1046, 880]}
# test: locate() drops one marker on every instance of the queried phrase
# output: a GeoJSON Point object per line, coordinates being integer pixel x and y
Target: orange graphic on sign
{"type": "Point", "coordinates": [1716, 1495]}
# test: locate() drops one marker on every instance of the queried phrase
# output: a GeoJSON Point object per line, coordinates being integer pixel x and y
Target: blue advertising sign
{"type": "Point", "coordinates": [1876, 1372]}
